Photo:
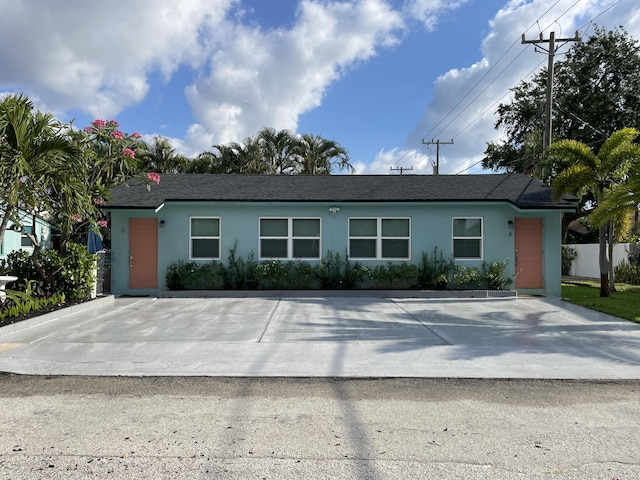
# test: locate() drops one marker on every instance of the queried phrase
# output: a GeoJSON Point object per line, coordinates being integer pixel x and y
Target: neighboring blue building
{"type": "Point", "coordinates": [374, 218]}
{"type": "Point", "coordinates": [15, 240]}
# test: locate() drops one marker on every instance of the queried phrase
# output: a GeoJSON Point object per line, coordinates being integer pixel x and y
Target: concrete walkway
{"type": "Point", "coordinates": [334, 337]}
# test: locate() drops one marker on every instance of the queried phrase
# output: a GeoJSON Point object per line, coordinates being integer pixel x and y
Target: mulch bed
{"type": "Point", "coordinates": [42, 311]}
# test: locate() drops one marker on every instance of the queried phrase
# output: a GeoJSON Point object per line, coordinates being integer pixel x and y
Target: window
{"type": "Point", "coordinates": [204, 235]}
{"type": "Point", "coordinates": [25, 241]}
{"type": "Point", "coordinates": [290, 238]}
{"type": "Point", "coordinates": [379, 238]}
{"type": "Point", "coordinates": [467, 238]}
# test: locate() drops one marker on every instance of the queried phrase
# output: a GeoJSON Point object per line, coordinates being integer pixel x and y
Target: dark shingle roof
{"type": "Point", "coordinates": [518, 189]}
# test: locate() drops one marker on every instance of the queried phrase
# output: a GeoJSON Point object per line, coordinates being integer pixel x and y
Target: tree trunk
{"type": "Point", "coordinates": [612, 280]}
{"type": "Point", "coordinates": [604, 261]}
{"type": "Point", "coordinates": [8, 210]}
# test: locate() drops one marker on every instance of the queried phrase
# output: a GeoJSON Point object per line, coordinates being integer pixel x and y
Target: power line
{"type": "Point", "coordinates": [404, 158]}
{"type": "Point", "coordinates": [584, 27]}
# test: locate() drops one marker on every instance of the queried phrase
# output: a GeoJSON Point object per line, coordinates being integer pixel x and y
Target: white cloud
{"type": "Point", "coordinates": [390, 161]}
{"type": "Point", "coordinates": [97, 55]}
{"type": "Point", "coordinates": [429, 11]}
{"type": "Point", "coordinates": [269, 78]}
{"type": "Point", "coordinates": [465, 100]}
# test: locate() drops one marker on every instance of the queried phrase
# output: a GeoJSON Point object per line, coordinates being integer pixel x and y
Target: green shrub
{"type": "Point", "coordinates": [76, 274]}
{"type": "Point", "coordinates": [333, 272]}
{"type": "Point", "coordinates": [493, 275]}
{"type": "Point", "coordinates": [465, 278]}
{"type": "Point", "coordinates": [330, 271]}
{"type": "Point", "coordinates": [626, 272]}
{"type": "Point", "coordinates": [235, 273]}
{"type": "Point", "coordinates": [175, 276]}
{"type": "Point", "coordinates": [72, 274]}
{"type": "Point", "coordinates": [194, 276]}
{"type": "Point", "coordinates": [395, 276]}
{"type": "Point", "coordinates": [435, 270]}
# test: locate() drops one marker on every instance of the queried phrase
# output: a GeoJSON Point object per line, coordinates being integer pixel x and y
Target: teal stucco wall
{"type": "Point", "coordinates": [13, 240]}
{"type": "Point", "coordinates": [431, 227]}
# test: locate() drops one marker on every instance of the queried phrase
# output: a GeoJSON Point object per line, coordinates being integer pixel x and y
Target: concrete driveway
{"type": "Point", "coordinates": [337, 337]}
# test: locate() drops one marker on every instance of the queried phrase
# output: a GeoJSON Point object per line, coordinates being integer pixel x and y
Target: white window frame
{"type": "Point", "coordinates": [379, 238]}
{"type": "Point", "coordinates": [480, 238]}
{"type": "Point", "coordinates": [289, 238]}
{"type": "Point", "coordinates": [25, 241]}
{"type": "Point", "coordinates": [205, 237]}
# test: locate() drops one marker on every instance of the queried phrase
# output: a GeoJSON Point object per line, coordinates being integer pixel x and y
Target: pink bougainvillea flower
{"type": "Point", "coordinates": [99, 123]}
{"type": "Point", "coordinates": [98, 201]}
{"type": "Point", "coordinates": [136, 135]}
{"type": "Point", "coordinates": [128, 152]}
{"type": "Point", "coordinates": [102, 223]}
{"type": "Point", "coordinates": [76, 218]}
{"type": "Point", "coordinates": [154, 177]}
{"type": "Point", "coordinates": [116, 134]}
{"type": "Point", "coordinates": [88, 129]}
{"type": "Point", "coordinates": [113, 123]}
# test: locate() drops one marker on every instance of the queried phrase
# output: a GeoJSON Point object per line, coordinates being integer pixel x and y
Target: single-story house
{"type": "Point", "coordinates": [374, 219]}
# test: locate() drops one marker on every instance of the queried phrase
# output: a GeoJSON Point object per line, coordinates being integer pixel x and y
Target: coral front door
{"type": "Point", "coordinates": [143, 253]}
{"type": "Point", "coordinates": [529, 253]}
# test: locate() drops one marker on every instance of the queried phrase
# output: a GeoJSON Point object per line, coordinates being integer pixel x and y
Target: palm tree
{"type": "Point", "coordinates": [35, 154]}
{"type": "Point", "coordinates": [236, 157]}
{"type": "Point", "coordinates": [582, 172]}
{"type": "Point", "coordinates": [317, 155]}
{"type": "Point", "coordinates": [277, 149]}
{"type": "Point", "coordinates": [160, 157]}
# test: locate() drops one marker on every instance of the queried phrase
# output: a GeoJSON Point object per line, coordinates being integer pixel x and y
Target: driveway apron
{"type": "Point", "coordinates": [329, 336]}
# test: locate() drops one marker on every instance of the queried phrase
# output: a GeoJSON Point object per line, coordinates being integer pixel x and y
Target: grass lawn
{"type": "Point", "coordinates": [623, 303]}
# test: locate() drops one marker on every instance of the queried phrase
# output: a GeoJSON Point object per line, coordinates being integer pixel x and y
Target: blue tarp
{"type": "Point", "coordinates": [94, 242]}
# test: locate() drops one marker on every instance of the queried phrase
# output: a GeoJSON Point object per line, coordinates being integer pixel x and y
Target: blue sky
{"type": "Point", "coordinates": [378, 76]}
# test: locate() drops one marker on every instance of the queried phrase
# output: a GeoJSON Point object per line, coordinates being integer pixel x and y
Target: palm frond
{"type": "Point", "coordinates": [576, 179]}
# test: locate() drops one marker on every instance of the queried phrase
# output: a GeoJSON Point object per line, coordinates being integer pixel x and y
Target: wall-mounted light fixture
{"type": "Point", "coordinates": [334, 210]}
{"type": "Point", "coordinates": [161, 223]}
{"type": "Point", "coordinates": [510, 223]}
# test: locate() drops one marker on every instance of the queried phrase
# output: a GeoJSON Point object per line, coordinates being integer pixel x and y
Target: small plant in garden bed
{"type": "Point", "coordinates": [68, 280]}
{"type": "Point", "coordinates": [334, 272]}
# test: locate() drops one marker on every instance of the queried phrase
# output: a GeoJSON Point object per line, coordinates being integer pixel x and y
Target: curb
{"type": "Point", "coordinates": [56, 315]}
{"type": "Point", "coordinates": [339, 293]}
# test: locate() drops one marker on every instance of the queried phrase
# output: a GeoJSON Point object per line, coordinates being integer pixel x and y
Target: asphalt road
{"type": "Point", "coordinates": [289, 428]}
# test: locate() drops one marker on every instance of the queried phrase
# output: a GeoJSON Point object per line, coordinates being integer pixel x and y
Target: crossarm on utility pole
{"type": "Point", "coordinates": [437, 143]}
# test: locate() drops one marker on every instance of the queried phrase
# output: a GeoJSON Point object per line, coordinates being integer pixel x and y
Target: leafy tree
{"type": "Point", "coordinates": [579, 170]}
{"type": "Point", "coordinates": [596, 93]}
{"type": "Point", "coordinates": [105, 158]}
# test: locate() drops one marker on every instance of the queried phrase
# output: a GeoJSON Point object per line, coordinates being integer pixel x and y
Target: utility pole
{"type": "Point", "coordinates": [551, 51]}
{"type": "Point", "coordinates": [436, 167]}
{"type": "Point", "coordinates": [401, 169]}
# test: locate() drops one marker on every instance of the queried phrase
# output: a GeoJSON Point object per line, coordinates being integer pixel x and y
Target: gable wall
{"type": "Point", "coordinates": [431, 226]}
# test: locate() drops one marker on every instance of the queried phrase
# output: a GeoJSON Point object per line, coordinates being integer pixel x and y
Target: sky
{"type": "Point", "coordinates": [383, 78]}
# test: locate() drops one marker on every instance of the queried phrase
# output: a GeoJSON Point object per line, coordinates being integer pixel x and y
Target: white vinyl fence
{"type": "Point", "coordinates": [587, 263]}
